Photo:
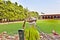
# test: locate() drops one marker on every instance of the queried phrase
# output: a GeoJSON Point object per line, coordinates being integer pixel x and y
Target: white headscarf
{"type": "Point", "coordinates": [33, 22]}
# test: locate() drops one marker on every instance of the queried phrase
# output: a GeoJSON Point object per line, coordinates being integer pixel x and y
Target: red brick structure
{"type": "Point", "coordinates": [50, 16]}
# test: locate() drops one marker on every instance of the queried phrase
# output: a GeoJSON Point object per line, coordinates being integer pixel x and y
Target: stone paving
{"type": "Point", "coordinates": [43, 36]}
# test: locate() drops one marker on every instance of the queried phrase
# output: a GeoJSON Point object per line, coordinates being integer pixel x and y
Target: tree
{"type": "Point", "coordinates": [33, 14]}
{"type": "Point", "coordinates": [13, 11]}
{"type": "Point", "coordinates": [16, 3]}
{"type": "Point", "coordinates": [0, 0]}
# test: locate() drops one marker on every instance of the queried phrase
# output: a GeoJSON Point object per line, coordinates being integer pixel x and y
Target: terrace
{"type": "Point", "coordinates": [50, 16]}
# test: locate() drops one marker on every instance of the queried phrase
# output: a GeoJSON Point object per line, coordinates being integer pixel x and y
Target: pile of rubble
{"type": "Point", "coordinates": [5, 36]}
{"type": "Point", "coordinates": [43, 36]}
{"type": "Point", "coordinates": [53, 36]}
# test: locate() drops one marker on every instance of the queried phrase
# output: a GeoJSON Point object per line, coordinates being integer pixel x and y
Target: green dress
{"type": "Point", "coordinates": [32, 34]}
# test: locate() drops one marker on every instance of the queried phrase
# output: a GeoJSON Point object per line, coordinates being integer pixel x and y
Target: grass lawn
{"type": "Point", "coordinates": [10, 28]}
{"type": "Point", "coordinates": [48, 25]}
{"type": "Point", "coordinates": [45, 25]}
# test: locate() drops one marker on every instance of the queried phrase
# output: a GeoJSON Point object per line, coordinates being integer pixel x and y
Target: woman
{"type": "Point", "coordinates": [31, 33]}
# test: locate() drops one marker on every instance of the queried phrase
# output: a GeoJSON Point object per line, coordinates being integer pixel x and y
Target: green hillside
{"type": "Point", "coordinates": [12, 11]}
{"type": "Point", "coordinates": [44, 25]}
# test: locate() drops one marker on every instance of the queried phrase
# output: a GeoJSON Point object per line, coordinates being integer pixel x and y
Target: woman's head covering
{"type": "Point", "coordinates": [32, 20]}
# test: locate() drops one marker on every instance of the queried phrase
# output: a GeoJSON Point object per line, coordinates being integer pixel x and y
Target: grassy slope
{"type": "Point", "coordinates": [45, 26]}
{"type": "Point", "coordinates": [10, 28]}
{"type": "Point", "coordinates": [48, 25]}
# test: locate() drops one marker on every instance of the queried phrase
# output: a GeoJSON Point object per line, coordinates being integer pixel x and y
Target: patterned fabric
{"type": "Point", "coordinates": [32, 34]}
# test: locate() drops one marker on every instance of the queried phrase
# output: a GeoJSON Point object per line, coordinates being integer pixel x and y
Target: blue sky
{"type": "Point", "coordinates": [46, 6]}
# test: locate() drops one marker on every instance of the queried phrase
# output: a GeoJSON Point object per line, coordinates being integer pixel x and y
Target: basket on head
{"type": "Point", "coordinates": [31, 19]}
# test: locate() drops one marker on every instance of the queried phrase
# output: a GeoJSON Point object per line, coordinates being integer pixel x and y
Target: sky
{"type": "Point", "coordinates": [45, 6]}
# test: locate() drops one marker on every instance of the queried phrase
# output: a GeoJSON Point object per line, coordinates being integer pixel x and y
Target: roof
{"type": "Point", "coordinates": [51, 14]}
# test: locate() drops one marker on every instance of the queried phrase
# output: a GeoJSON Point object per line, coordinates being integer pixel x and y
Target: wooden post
{"type": "Point", "coordinates": [21, 34]}
{"type": "Point", "coordinates": [44, 17]}
{"type": "Point", "coordinates": [50, 17]}
{"type": "Point", "coordinates": [47, 17]}
{"type": "Point", "coordinates": [53, 17]}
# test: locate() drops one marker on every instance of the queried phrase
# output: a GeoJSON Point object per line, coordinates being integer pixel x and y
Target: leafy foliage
{"type": "Point", "coordinates": [32, 34]}
{"type": "Point", "coordinates": [12, 11]}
